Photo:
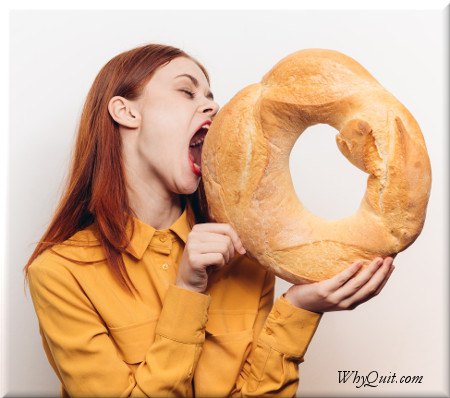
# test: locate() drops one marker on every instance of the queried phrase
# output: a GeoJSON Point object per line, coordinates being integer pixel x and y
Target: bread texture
{"type": "Point", "coordinates": [245, 167]}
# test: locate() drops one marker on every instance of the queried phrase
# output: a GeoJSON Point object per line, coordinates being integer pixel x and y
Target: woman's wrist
{"type": "Point", "coordinates": [189, 287]}
{"type": "Point", "coordinates": [300, 297]}
{"type": "Point", "coordinates": [291, 299]}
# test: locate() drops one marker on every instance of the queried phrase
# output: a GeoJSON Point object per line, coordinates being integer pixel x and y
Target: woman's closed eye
{"type": "Point", "coordinates": [188, 93]}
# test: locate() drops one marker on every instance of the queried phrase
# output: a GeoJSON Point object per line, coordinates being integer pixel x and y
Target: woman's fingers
{"type": "Point", "coordinates": [360, 297]}
{"type": "Point", "coordinates": [209, 246]}
{"type": "Point", "coordinates": [223, 252]}
{"type": "Point", "coordinates": [385, 279]}
{"type": "Point", "coordinates": [372, 286]}
{"type": "Point", "coordinates": [358, 281]}
{"type": "Point", "coordinates": [204, 243]}
{"type": "Point", "coordinates": [214, 260]}
{"type": "Point", "coordinates": [337, 281]}
{"type": "Point", "coordinates": [222, 229]}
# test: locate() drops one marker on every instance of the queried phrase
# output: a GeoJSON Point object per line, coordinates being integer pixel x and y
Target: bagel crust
{"type": "Point", "coordinates": [245, 167]}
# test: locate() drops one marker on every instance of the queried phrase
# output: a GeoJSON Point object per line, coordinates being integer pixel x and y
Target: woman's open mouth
{"type": "Point", "coordinates": [195, 149]}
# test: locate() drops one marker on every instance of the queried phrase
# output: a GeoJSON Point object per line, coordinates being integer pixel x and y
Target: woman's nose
{"type": "Point", "coordinates": [211, 107]}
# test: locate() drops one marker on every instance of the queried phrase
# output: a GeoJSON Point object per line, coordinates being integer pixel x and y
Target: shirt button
{"type": "Point", "coordinates": [269, 331]}
{"type": "Point", "coordinates": [163, 238]}
{"type": "Point", "coordinates": [276, 314]}
{"type": "Point", "coordinates": [165, 266]}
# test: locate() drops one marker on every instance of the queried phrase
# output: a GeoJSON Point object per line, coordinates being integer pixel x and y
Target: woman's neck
{"type": "Point", "coordinates": [155, 207]}
{"type": "Point", "coordinates": [148, 196]}
{"type": "Point", "coordinates": [160, 214]}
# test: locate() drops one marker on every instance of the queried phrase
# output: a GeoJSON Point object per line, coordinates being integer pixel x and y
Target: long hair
{"type": "Point", "coordinates": [96, 188]}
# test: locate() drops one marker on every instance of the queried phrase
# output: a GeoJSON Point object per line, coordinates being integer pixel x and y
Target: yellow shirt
{"type": "Point", "coordinates": [101, 341]}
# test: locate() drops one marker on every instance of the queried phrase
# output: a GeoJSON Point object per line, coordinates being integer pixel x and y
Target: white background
{"type": "Point", "coordinates": [54, 57]}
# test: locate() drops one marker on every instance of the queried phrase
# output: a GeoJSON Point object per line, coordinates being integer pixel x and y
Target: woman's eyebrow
{"type": "Point", "coordinates": [196, 84]}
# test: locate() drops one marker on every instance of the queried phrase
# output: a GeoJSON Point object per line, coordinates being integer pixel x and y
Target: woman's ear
{"type": "Point", "coordinates": [124, 112]}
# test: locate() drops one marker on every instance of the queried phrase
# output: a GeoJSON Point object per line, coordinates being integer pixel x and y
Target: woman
{"type": "Point", "coordinates": [136, 292]}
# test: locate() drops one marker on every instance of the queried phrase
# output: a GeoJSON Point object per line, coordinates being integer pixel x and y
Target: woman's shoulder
{"type": "Point", "coordinates": [81, 248]}
{"type": "Point", "coordinates": [59, 273]}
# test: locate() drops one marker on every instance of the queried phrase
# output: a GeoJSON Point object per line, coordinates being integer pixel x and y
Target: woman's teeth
{"type": "Point", "coordinates": [202, 136]}
{"type": "Point", "coordinates": [198, 142]}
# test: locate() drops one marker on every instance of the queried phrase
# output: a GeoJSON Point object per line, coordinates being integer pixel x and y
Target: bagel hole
{"type": "Point", "coordinates": [324, 180]}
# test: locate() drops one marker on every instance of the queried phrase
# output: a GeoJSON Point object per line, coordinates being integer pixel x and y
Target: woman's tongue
{"type": "Point", "coordinates": [195, 156]}
{"type": "Point", "coordinates": [195, 150]}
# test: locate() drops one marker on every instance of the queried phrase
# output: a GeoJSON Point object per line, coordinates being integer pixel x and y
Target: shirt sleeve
{"type": "Point", "coordinates": [80, 350]}
{"type": "Point", "coordinates": [282, 335]}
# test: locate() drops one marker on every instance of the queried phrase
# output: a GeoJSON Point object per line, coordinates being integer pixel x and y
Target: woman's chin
{"type": "Point", "coordinates": [189, 184]}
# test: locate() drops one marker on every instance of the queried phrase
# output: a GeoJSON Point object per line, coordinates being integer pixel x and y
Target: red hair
{"type": "Point", "coordinates": [96, 188]}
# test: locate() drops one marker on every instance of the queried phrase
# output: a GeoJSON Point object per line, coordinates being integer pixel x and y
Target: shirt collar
{"type": "Point", "coordinates": [181, 227]}
{"type": "Point", "coordinates": [143, 234]}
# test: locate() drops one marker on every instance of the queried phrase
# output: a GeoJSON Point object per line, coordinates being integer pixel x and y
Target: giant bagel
{"type": "Point", "coordinates": [245, 167]}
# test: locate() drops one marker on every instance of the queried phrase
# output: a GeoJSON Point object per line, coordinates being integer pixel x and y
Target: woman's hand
{"type": "Point", "coordinates": [342, 292]}
{"type": "Point", "coordinates": [209, 246]}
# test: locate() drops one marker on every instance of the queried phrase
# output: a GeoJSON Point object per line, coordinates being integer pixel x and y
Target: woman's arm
{"type": "Point", "coordinates": [272, 367]}
{"type": "Point", "coordinates": [281, 337]}
{"type": "Point", "coordinates": [84, 356]}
